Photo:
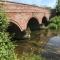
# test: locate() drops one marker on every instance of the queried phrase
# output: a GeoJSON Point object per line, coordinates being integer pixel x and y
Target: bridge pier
{"type": "Point", "coordinates": [27, 33]}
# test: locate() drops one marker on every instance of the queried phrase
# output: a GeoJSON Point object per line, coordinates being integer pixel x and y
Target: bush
{"type": "Point", "coordinates": [54, 23]}
{"type": "Point", "coordinates": [6, 46]}
{"type": "Point", "coordinates": [3, 21]}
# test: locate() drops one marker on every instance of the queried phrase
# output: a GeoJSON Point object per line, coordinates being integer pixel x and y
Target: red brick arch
{"type": "Point", "coordinates": [16, 23]}
{"type": "Point", "coordinates": [44, 20]}
{"type": "Point", "coordinates": [34, 21]}
{"type": "Point", "coordinates": [34, 18]}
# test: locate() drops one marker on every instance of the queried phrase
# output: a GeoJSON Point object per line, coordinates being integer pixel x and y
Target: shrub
{"type": "Point", "coordinates": [6, 46]}
{"type": "Point", "coordinates": [54, 23]}
{"type": "Point", "coordinates": [3, 21]}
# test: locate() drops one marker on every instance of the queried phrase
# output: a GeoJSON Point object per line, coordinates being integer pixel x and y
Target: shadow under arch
{"type": "Point", "coordinates": [33, 24]}
{"type": "Point", "coordinates": [44, 21]}
{"type": "Point", "coordinates": [14, 31]}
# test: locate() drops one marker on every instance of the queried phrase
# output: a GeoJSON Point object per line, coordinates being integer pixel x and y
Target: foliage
{"type": "Point", "coordinates": [54, 23]}
{"type": "Point", "coordinates": [31, 56]}
{"type": "Point", "coordinates": [6, 46]}
{"type": "Point", "coordinates": [58, 7]}
{"type": "Point", "coordinates": [3, 21]}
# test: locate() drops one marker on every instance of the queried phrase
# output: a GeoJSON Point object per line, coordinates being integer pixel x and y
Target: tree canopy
{"type": "Point", "coordinates": [58, 7]}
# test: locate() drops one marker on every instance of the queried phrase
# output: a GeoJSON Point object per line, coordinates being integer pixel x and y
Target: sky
{"type": "Point", "coordinates": [47, 3]}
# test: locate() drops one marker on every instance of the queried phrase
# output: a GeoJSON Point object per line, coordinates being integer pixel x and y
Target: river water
{"type": "Point", "coordinates": [42, 43]}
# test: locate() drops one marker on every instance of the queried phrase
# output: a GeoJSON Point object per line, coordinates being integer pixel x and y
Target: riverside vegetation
{"type": "Point", "coordinates": [6, 46]}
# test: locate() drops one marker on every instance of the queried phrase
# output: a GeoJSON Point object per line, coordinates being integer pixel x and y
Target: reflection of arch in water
{"type": "Point", "coordinates": [44, 21]}
{"type": "Point", "coordinates": [14, 30]}
{"type": "Point", "coordinates": [33, 24]}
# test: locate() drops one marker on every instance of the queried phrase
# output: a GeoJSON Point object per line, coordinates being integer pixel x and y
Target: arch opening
{"type": "Point", "coordinates": [33, 24]}
{"type": "Point", "coordinates": [44, 21]}
{"type": "Point", "coordinates": [14, 31]}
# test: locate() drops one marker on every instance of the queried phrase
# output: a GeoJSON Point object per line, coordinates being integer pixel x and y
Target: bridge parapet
{"type": "Point", "coordinates": [19, 7]}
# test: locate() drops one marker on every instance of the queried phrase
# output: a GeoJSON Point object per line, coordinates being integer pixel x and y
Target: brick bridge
{"type": "Point", "coordinates": [24, 15]}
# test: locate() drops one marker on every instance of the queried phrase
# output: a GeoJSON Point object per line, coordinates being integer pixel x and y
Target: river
{"type": "Point", "coordinates": [40, 43]}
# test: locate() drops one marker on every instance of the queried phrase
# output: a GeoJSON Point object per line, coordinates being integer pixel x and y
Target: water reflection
{"type": "Point", "coordinates": [54, 44]}
{"type": "Point", "coordinates": [52, 48]}
{"type": "Point", "coordinates": [54, 41]}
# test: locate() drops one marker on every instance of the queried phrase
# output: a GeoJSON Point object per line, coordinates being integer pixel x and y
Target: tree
{"type": "Point", "coordinates": [6, 46]}
{"type": "Point", "coordinates": [58, 7]}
